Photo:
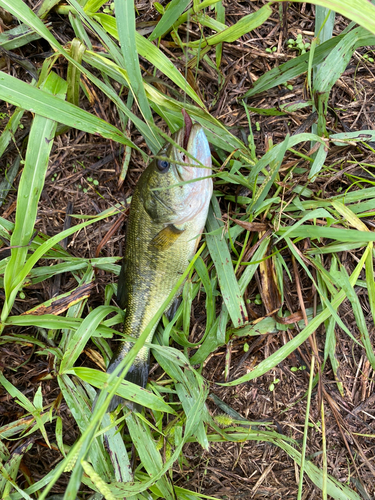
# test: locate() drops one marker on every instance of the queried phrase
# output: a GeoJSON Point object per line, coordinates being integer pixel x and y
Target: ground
{"type": "Point", "coordinates": [243, 470]}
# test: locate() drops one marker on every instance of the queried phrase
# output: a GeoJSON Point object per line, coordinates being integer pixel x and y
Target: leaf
{"type": "Point", "coordinates": [334, 233]}
{"type": "Point", "coordinates": [175, 9]}
{"type": "Point", "coordinates": [345, 138]}
{"type": "Point", "coordinates": [41, 103]}
{"type": "Point", "coordinates": [125, 17]}
{"type": "Point", "coordinates": [154, 55]}
{"type": "Point", "coordinates": [342, 279]}
{"type": "Point", "coordinates": [30, 188]}
{"type": "Point", "coordinates": [220, 255]}
{"type": "Point", "coordinates": [285, 350]}
{"type": "Point", "coordinates": [127, 390]}
{"type": "Point", "coordinates": [243, 26]}
{"type": "Point", "coordinates": [80, 338]}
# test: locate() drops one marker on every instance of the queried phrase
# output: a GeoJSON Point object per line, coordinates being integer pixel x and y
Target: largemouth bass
{"type": "Point", "coordinates": [166, 220]}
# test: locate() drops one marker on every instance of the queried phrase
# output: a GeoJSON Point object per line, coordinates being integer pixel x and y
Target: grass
{"type": "Point", "coordinates": [306, 225]}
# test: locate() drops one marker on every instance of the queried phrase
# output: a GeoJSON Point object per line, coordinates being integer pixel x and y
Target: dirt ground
{"type": "Point", "coordinates": [228, 471]}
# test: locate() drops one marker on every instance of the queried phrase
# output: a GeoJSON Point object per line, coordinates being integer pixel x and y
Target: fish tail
{"type": "Point", "coordinates": [137, 374]}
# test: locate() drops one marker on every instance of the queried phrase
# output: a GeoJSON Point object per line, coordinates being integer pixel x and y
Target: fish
{"type": "Point", "coordinates": [167, 216]}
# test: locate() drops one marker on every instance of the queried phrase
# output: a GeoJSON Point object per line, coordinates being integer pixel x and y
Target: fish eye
{"type": "Point", "coordinates": [163, 166]}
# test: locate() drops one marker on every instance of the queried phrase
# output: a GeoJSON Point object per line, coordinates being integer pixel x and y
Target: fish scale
{"type": "Point", "coordinates": [166, 220]}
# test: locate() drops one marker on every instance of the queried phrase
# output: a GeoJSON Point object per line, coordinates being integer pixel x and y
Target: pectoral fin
{"type": "Point", "coordinates": [166, 237]}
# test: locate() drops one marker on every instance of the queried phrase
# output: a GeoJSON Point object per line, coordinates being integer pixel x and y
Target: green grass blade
{"type": "Point", "coordinates": [288, 348]}
{"type": "Point", "coordinates": [80, 407]}
{"type": "Point", "coordinates": [175, 9]}
{"type": "Point", "coordinates": [305, 429]}
{"type": "Point", "coordinates": [10, 129]}
{"type": "Point", "coordinates": [6, 183]}
{"type": "Point", "coordinates": [297, 66]}
{"type": "Point", "coordinates": [149, 455]}
{"type": "Point", "coordinates": [334, 233]}
{"type": "Point", "coordinates": [125, 17]}
{"type": "Point", "coordinates": [359, 11]}
{"type": "Point", "coordinates": [127, 390]}
{"type": "Point", "coordinates": [263, 190]}
{"type": "Point", "coordinates": [243, 26]}
{"type": "Point", "coordinates": [154, 55]}
{"type": "Point", "coordinates": [371, 282]}
{"type": "Point", "coordinates": [82, 336]}
{"type": "Point", "coordinates": [41, 103]}
{"type": "Point", "coordinates": [32, 181]}
{"type": "Point", "coordinates": [342, 279]}
{"type": "Point", "coordinates": [38, 254]}
{"type": "Point", "coordinates": [318, 163]}
{"type": "Point", "coordinates": [202, 271]}
{"type": "Point", "coordinates": [220, 255]}
{"type": "Point", "coordinates": [17, 37]}
{"type": "Point", "coordinates": [345, 138]}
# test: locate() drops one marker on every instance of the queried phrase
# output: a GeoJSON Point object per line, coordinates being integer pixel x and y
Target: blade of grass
{"type": "Point", "coordinates": [127, 390]}
{"type": "Point", "coordinates": [125, 19]}
{"type": "Point", "coordinates": [170, 16]}
{"type": "Point", "coordinates": [288, 348]}
{"type": "Point", "coordinates": [30, 188]}
{"type": "Point", "coordinates": [41, 103]}
{"type": "Point", "coordinates": [306, 428]}
{"type": "Point", "coordinates": [220, 255]}
{"type": "Point", "coordinates": [342, 279]}
{"type": "Point", "coordinates": [38, 254]}
{"type": "Point", "coordinates": [232, 33]}
{"type": "Point", "coordinates": [154, 55]}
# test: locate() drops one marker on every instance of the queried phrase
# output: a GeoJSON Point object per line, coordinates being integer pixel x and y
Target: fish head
{"type": "Point", "coordinates": [174, 188]}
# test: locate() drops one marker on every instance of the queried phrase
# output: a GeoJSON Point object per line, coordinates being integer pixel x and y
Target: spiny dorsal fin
{"type": "Point", "coordinates": [166, 237]}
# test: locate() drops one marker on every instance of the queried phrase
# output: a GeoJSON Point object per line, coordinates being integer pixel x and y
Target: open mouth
{"type": "Point", "coordinates": [188, 126]}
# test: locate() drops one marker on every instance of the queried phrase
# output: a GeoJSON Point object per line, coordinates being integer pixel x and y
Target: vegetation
{"type": "Point", "coordinates": [269, 218]}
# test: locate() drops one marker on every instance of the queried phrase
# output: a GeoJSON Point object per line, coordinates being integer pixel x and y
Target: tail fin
{"type": "Point", "coordinates": [137, 374]}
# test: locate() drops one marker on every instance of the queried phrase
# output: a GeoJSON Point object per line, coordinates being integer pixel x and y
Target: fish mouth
{"type": "Point", "coordinates": [187, 128]}
{"type": "Point", "coordinates": [191, 139]}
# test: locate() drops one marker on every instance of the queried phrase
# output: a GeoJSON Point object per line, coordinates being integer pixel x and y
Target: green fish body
{"type": "Point", "coordinates": [164, 228]}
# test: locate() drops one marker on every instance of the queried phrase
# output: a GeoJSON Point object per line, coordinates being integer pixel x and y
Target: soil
{"type": "Point", "coordinates": [252, 470]}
